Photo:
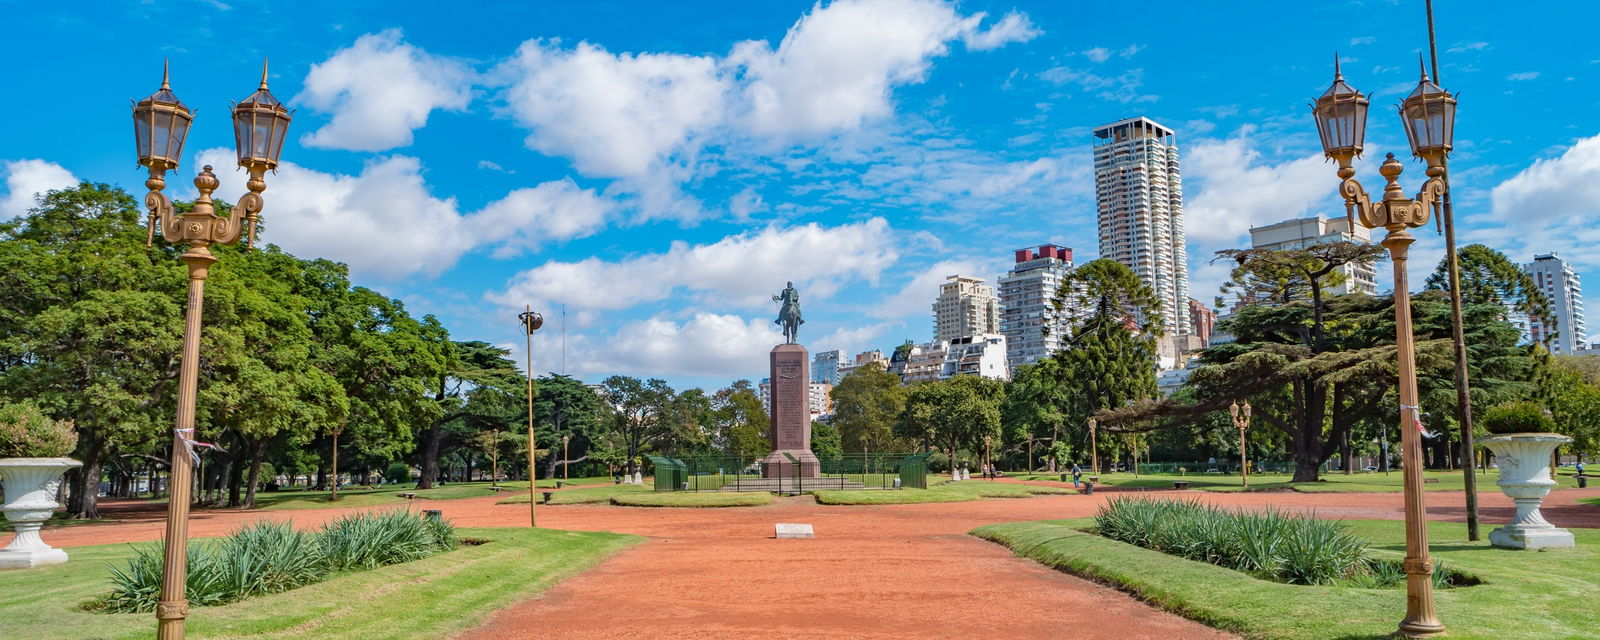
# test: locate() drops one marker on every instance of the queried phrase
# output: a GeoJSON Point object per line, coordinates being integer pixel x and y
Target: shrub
{"type": "Point", "coordinates": [1291, 548]}
{"type": "Point", "coordinates": [1518, 417]}
{"type": "Point", "coordinates": [269, 557]}
{"type": "Point", "coordinates": [397, 473]}
{"type": "Point", "coordinates": [26, 432]}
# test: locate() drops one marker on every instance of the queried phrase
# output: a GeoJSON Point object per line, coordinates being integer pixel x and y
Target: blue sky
{"type": "Point", "coordinates": [660, 169]}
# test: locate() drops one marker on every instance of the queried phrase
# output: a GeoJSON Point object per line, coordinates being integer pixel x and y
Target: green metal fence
{"type": "Point", "coordinates": [740, 473]}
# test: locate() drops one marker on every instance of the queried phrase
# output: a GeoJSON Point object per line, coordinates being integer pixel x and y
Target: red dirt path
{"type": "Point", "coordinates": [872, 571]}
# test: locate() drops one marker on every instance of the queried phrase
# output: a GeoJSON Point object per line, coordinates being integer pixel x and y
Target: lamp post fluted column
{"type": "Point", "coordinates": [531, 322]}
{"type": "Point", "coordinates": [161, 126]}
{"type": "Point", "coordinates": [1241, 419]}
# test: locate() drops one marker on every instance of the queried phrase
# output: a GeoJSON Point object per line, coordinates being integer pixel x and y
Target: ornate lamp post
{"type": "Point", "coordinates": [1429, 117]}
{"type": "Point", "coordinates": [1094, 447]}
{"type": "Point", "coordinates": [531, 322]}
{"type": "Point", "coordinates": [160, 126]}
{"type": "Point", "coordinates": [1241, 419]}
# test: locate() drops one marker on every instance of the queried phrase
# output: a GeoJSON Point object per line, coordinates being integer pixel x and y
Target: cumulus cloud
{"type": "Point", "coordinates": [739, 270]}
{"type": "Point", "coordinates": [385, 223]}
{"type": "Point", "coordinates": [1012, 27]}
{"type": "Point", "coordinates": [26, 179]}
{"type": "Point", "coordinates": [1232, 188]}
{"type": "Point", "coordinates": [1566, 186]}
{"type": "Point", "coordinates": [707, 344]}
{"type": "Point", "coordinates": [1523, 75]}
{"type": "Point", "coordinates": [1123, 87]}
{"type": "Point", "coordinates": [379, 91]}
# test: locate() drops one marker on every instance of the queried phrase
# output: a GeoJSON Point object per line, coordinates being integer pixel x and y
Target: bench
{"type": "Point", "coordinates": [407, 495]}
{"type": "Point", "coordinates": [1179, 484]}
{"type": "Point", "coordinates": [498, 489]}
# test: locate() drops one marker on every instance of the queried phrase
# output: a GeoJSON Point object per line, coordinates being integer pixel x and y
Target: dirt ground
{"type": "Point", "coordinates": [888, 571]}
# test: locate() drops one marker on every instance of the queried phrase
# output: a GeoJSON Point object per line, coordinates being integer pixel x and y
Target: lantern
{"type": "Point", "coordinates": [1429, 114]}
{"type": "Point", "coordinates": [259, 125]}
{"type": "Point", "coordinates": [1341, 115]}
{"type": "Point", "coordinates": [160, 125]}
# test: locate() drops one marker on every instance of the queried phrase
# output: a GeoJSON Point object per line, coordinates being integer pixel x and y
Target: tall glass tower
{"type": "Point", "coordinates": [1139, 195]}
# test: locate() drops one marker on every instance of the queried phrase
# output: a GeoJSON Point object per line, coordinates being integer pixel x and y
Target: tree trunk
{"type": "Point", "coordinates": [235, 478]}
{"type": "Point", "coordinates": [430, 457]}
{"type": "Point", "coordinates": [86, 492]}
{"type": "Point", "coordinates": [1345, 458]}
{"type": "Point", "coordinates": [334, 496]}
{"type": "Point", "coordinates": [258, 450]}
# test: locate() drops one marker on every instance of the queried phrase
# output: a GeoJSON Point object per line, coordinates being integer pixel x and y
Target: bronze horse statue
{"type": "Point", "coordinates": [789, 312]}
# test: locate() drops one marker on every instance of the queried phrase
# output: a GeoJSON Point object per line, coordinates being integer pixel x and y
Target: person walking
{"type": "Point", "coordinates": [1077, 472]}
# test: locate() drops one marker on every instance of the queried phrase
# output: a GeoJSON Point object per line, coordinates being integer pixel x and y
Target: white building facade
{"type": "Point", "coordinates": [1561, 286]}
{"type": "Point", "coordinates": [966, 307]}
{"type": "Point", "coordinates": [1032, 327]}
{"type": "Point", "coordinates": [826, 366]}
{"type": "Point", "coordinates": [1299, 233]}
{"type": "Point", "coordinates": [1139, 204]}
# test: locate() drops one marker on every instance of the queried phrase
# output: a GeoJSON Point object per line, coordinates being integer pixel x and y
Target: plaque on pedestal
{"type": "Point", "coordinates": [791, 455]}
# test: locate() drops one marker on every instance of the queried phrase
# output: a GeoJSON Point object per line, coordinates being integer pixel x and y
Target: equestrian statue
{"type": "Point", "coordinates": [789, 312]}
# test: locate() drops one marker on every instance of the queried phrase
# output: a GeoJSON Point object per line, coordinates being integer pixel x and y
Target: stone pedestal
{"type": "Point", "coordinates": [31, 485]}
{"type": "Point", "coordinates": [790, 385]}
{"type": "Point", "coordinates": [1524, 461]}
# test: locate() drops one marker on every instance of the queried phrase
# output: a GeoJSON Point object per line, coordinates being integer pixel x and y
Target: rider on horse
{"type": "Point", "coordinates": [789, 312]}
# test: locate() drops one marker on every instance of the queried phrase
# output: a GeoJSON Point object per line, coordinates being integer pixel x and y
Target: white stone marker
{"type": "Point", "coordinates": [792, 530]}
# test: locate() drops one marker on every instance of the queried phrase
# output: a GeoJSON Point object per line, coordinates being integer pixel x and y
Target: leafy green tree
{"type": "Point", "coordinates": [91, 325]}
{"type": "Point", "coordinates": [1489, 277]}
{"type": "Point", "coordinates": [825, 441]}
{"type": "Point", "coordinates": [568, 418]}
{"type": "Point", "coordinates": [689, 419]}
{"type": "Point", "coordinates": [956, 413]}
{"type": "Point", "coordinates": [479, 389]}
{"type": "Point", "coordinates": [637, 410]}
{"type": "Point", "coordinates": [1036, 408]}
{"type": "Point", "coordinates": [741, 424]}
{"type": "Point", "coordinates": [1573, 396]}
{"type": "Point", "coordinates": [866, 405]}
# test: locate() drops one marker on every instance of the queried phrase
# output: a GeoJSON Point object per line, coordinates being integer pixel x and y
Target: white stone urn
{"type": "Point", "coordinates": [1524, 461]}
{"type": "Point", "coordinates": [31, 485]}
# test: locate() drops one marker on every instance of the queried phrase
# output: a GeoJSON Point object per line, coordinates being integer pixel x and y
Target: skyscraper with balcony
{"type": "Point", "coordinates": [1139, 196]}
{"type": "Point", "coordinates": [966, 307]}
{"type": "Point", "coordinates": [1032, 327]}
{"type": "Point", "coordinates": [1560, 284]}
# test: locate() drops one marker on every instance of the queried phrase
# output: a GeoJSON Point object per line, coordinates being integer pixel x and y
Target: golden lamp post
{"type": "Point", "coordinates": [1429, 118]}
{"type": "Point", "coordinates": [1094, 448]}
{"type": "Point", "coordinates": [160, 127]}
{"type": "Point", "coordinates": [531, 321]}
{"type": "Point", "coordinates": [1241, 419]}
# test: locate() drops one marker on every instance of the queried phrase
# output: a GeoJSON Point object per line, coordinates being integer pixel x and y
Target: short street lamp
{"type": "Point", "coordinates": [1429, 117]}
{"type": "Point", "coordinates": [1241, 419]}
{"type": "Point", "coordinates": [160, 127]}
{"type": "Point", "coordinates": [1094, 448]}
{"type": "Point", "coordinates": [531, 321]}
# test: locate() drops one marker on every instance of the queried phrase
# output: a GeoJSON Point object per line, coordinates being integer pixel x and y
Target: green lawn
{"type": "Point", "coordinates": [1593, 501]}
{"type": "Point", "coordinates": [1525, 594]}
{"type": "Point", "coordinates": [692, 499]}
{"type": "Point", "coordinates": [591, 495]}
{"type": "Point", "coordinates": [1330, 482]}
{"type": "Point", "coordinates": [434, 597]}
{"type": "Point", "coordinates": [945, 492]}
{"type": "Point", "coordinates": [710, 481]}
{"type": "Point", "coordinates": [388, 494]}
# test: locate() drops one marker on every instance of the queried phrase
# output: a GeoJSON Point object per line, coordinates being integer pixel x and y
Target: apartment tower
{"type": "Point", "coordinates": [1032, 327]}
{"type": "Point", "coordinates": [966, 307]}
{"type": "Point", "coordinates": [1560, 284]}
{"type": "Point", "coordinates": [1139, 195]}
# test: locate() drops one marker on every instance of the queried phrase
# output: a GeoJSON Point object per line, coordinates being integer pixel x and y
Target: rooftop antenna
{"type": "Point", "coordinates": [563, 339]}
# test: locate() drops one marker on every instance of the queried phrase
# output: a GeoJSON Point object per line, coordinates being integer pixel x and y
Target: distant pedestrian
{"type": "Point", "coordinates": [1077, 472]}
{"type": "Point", "coordinates": [1580, 468]}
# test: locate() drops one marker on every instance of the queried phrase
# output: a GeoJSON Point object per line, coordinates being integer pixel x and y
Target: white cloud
{"type": "Point", "coordinates": [1567, 186]}
{"type": "Point", "coordinates": [740, 270]}
{"type": "Point", "coordinates": [1523, 75]}
{"type": "Point", "coordinates": [1098, 54]}
{"type": "Point", "coordinates": [708, 344]}
{"type": "Point", "coordinates": [915, 299]}
{"type": "Point", "coordinates": [1122, 88]}
{"type": "Point", "coordinates": [385, 223]}
{"type": "Point", "coordinates": [1012, 27]}
{"type": "Point", "coordinates": [1230, 188]}
{"type": "Point", "coordinates": [380, 90]}
{"type": "Point", "coordinates": [614, 115]}
{"type": "Point", "coordinates": [1362, 40]}
{"type": "Point", "coordinates": [26, 179]}
{"type": "Point", "coordinates": [1463, 47]}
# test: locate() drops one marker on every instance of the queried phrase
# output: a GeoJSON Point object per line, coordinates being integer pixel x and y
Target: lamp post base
{"type": "Point", "coordinates": [1409, 629]}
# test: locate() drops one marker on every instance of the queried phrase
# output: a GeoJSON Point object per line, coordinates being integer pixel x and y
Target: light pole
{"type": "Point", "coordinates": [494, 457]}
{"type": "Point", "coordinates": [531, 322]}
{"type": "Point", "coordinates": [1241, 419]}
{"type": "Point", "coordinates": [1429, 118]}
{"type": "Point", "coordinates": [1094, 447]}
{"type": "Point", "coordinates": [161, 125]}
{"type": "Point", "coordinates": [565, 441]}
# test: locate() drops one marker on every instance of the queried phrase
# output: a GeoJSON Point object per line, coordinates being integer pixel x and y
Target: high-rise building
{"type": "Point", "coordinates": [1030, 323]}
{"type": "Point", "coordinates": [980, 355]}
{"type": "Point", "coordinates": [966, 307]}
{"type": "Point", "coordinates": [861, 360]}
{"type": "Point", "coordinates": [825, 366]}
{"type": "Point", "coordinates": [1560, 284]}
{"type": "Point", "coordinates": [1299, 233]}
{"type": "Point", "coordinates": [1139, 196]}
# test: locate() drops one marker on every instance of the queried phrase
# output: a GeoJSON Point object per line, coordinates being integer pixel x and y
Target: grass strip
{"type": "Point", "coordinates": [1526, 594]}
{"type": "Point", "coordinates": [947, 492]}
{"type": "Point", "coordinates": [438, 596]}
{"type": "Point", "coordinates": [591, 495]}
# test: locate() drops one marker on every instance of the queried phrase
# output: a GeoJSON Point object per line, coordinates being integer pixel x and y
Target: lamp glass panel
{"type": "Point", "coordinates": [176, 136]}
{"type": "Point", "coordinates": [241, 134]}
{"type": "Point", "coordinates": [261, 138]}
{"type": "Point", "coordinates": [160, 133]}
{"type": "Point", "coordinates": [280, 128]}
{"type": "Point", "coordinates": [141, 132]}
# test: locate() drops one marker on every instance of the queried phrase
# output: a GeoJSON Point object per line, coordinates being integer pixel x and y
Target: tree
{"type": "Point", "coordinates": [1573, 396]}
{"type": "Point", "coordinates": [636, 413]}
{"type": "Point", "coordinates": [1036, 408]}
{"type": "Point", "coordinates": [1489, 277]}
{"type": "Point", "coordinates": [741, 426]}
{"type": "Point", "coordinates": [825, 441]}
{"type": "Point", "coordinates": [91, 325]}
{"type": "Point", "coordinates": [866, 404]}
{"type": "Point", "coordinates": [568, 418]}
{"type": "Point", "coordinates": [478, 388]}
{"type": "Point", "coordinates": [956, 413]}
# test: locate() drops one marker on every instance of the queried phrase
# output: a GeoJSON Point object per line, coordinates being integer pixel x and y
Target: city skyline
{"type": "Point", "coordinates": [652, 168]}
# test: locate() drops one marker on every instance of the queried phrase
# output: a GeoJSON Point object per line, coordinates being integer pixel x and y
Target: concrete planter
{"type": "Point", "coordinates": [1524, 461]}
{"type": "Point", "coordinates": [31, 485]}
